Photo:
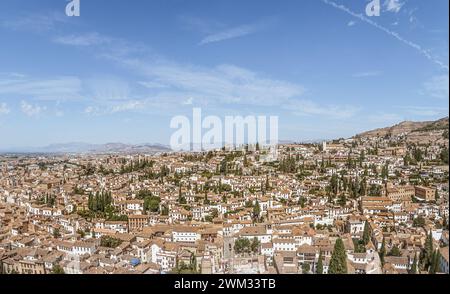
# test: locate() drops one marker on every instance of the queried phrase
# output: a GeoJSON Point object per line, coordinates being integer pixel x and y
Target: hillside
{"type": "Point", "coordinates": [421, 132]}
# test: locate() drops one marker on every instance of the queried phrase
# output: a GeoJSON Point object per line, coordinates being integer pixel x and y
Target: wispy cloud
{"type": "Point", "coordinates": [420, 49]}
{"type": "Point", "coordinates": [200, 25]}
{"type": "Point", "coordinates": [412, 18]}
{"type": "Point", "coordinates": [4, 108]}
{"type": "Point", "coordinates": [59, 88]}
{"type": "Point", "coordinates": [89, 39]}
{"type": "Point", "coordinates": [35, 22]}
{"type": "Point", "coordinates": [91, 109]}
{"type": "Point", "coordinates": [437, 87]}
{"type": "Point", "coordinates": [393, 5]}
{"type": "Point", "coordinates": [189, 101]}
{"type": "Point", "coordinates": [366, 74]}
{"type": "Point", "coordinates": [105, 45]}
{"type": "Point", "coordinates": [127, 106]}
{"type": "Point", "coordinates": [308, 108]}
{"type": "Point", "coordinates": [153, 85]}
{"type": "Point", "coordinates": [167, 85]}
{"type": "Point", "coordinates": [221, 84]}
{"type": "Point", "coordinates": [164, 84]}
{"type": "Point", "coordinates": [111, 107]}
{"type": "Point", "coordinates": [108, 88]}
{"type": "Point", "coordinates": [351, 23]}
{"type": "Point", "coordinates": [232, 33]}
{"type": "Point", "coordinates": [427, 111]}
{"type": "Point", "coordinates": [31, 110]}
{"type": "Point", "coordinates": [383, 117]}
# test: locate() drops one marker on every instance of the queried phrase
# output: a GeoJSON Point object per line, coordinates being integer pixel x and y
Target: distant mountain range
{"type": "Point", "coordinates": [80, 147]}
{"type": "Point", "coordinates": [408, 127]}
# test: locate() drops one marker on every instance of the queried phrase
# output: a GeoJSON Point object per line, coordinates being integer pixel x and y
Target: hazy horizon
{"type": "Point", "coordinates": [281, 141]}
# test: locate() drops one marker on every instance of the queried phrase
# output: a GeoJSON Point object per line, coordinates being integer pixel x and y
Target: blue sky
{"type": "Point", "coordinates": [123, 69]}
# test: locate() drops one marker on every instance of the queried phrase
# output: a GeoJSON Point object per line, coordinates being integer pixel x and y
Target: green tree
{"type": "Point", "coordinates": [434, 267]}
{"type": "Point", "coordinates": [419, 221]}
{"type": "Point", "coordinates": [256, 211]}
{"type": "Point", "coordinates": [110, 242]}
{"type": "Point", "coordinates": [362, 157]}
{"type": "Point", "coordinates": [382, 252]}
{"type": "Point", "coordinates": [359, 246]}
{"type": "Point", "coordinates": [342, 200]}
{"type": "Point", "coordinates": [56, 233]}
{"type": "Point", "coordinates": [444, 155]}
{"type": "Point", "coordinates": [334, 184]}
{"type": "Point", "coordinates": [164, 210]}
{"type": "Point", "coordinates": [242, 245]}
{"type": "Point", "coordinates": [428, 250]}
{"type": "Point", "coordinates": [319, 267]}
{"type": "Point", "coordinates": [193, 262]}
{"type": "Point", "coordinates": [374, 190]}
{"type": "Point", "coordinates": [413, 269]}
{"type": "Point", "coordinates": [302, 201]}
{"type": "Point", "coordinates": [338, 262]}
{"type": "Point", "coordinates": [366, 233]}
{"type": "Point", "coordinates": [385, 171]}
{"type": "Point", "coordinates": [395, 251]}
{"type": "Point", "coordinates": [58, 270]}
{"type": "Point", "coordinates": [91, 201]}
{"type": "Point", "coordinates": [206, 200]}
{"type": "Point", "coordinates": [417, 154]}
{"type": "Point", "coordinates": [151, 203]}
{"type": "Point", "coordinates": [306, 268]}
{"type": "Point", "coordinates": [254, 246]}
{"type": "Point", "coordinates": [214, 213]}
{"type": "Point", "coordinates": [81, 233]}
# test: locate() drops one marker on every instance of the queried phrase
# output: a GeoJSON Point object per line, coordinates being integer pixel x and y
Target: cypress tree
{"type": "Point", "coordinates": [432, 263]}
{"type": "Point", "coordinates": [438, 258]}
{"type": "Point", "coordinates": [338, 262]}
{"type": "Point", "coordinates": [90, 201]}
{"type": "Point", "coordinates": [319, 268]}
{"type": "Point", "coordinates": [383, 251]}
{"type": "Point", "coordinates": [428, 249]}
{"type": "Point", "coordinates": [96, 203]}
{"type": "Point", "coordinates": [256, 211]}
{"type": "Point", "coordinates": [413, 269]}
{"type": "Point", "coordinates": [434, 267]}
{"type": "Point", "coordinates": [366, 233]}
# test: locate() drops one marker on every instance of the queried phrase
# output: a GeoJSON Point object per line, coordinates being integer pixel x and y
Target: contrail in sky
{"type": "Point", "coordinates": [419, 48]}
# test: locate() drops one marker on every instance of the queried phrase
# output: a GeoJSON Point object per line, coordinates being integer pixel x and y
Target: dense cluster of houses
{"type": "Point", "coordinates": [179, 212]}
